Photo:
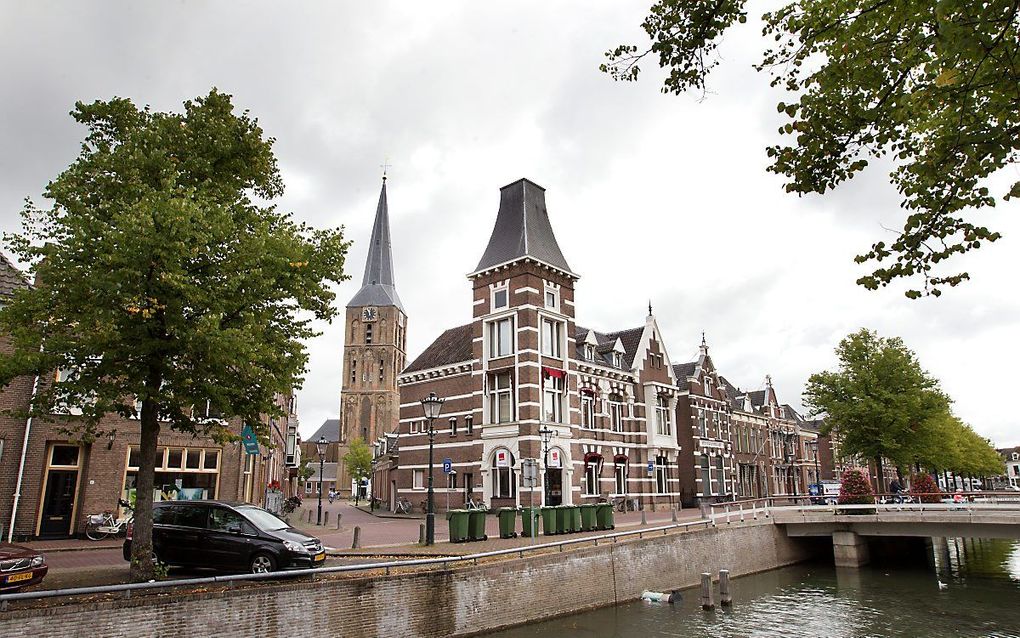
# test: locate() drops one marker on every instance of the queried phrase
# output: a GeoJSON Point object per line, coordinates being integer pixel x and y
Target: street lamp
{"type": "Point", "coordinates": [818, 471]}
{"type": "Point", "coordinates": [432, 405]}
{"type": "Point", "coordinates": [320, 447]}
{"type": "Point", "coordinates": [546, 433]}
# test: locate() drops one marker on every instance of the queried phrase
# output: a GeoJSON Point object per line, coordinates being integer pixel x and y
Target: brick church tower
{"type": "Point", "coordinates": [375, 339]}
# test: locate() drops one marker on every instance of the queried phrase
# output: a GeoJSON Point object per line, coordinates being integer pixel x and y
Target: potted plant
{"type": "Point", "coordinates": [856, 490]}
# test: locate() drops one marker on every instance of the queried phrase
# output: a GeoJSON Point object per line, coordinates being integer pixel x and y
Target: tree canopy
{"type": "Point", "coordinates": [932, 85]}
{"type": "Point", "coordinates": [167, 288]}
{"type": "Point", "coordinates": [358, 459]}
{"type": "Point", "coordinates": [879, 402]}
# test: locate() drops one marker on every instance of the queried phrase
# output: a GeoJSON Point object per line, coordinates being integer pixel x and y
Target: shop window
{"type": "Point", "coordinates": [211, 460]}
{"type": "Point", "coordinates": [175, 458]}
{"type": "Point", "coordinates": [503, 475]}
{"type": "Point", "coordinates": [194, 460]}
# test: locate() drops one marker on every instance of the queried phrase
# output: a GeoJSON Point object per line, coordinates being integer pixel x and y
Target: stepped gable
{"type": "Point", "coordinates": [522, 230]}
{"type": "Point", "coordinates": [378, 287]}
{"type": "Point", "coordinates": [453, 346]}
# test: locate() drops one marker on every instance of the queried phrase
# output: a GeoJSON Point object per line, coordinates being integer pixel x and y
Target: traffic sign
{"type": "Point", "coordinates": [651, 467]}
{"type": "Point", "coordinates": [447, 466]}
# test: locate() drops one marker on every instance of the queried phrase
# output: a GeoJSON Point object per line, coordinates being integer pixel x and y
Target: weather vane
{"type": "Point", "coordinates": [385, 167]}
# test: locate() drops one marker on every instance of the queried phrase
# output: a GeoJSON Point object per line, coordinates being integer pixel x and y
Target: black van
{"type": "Point", "coordinates": [227, 536]}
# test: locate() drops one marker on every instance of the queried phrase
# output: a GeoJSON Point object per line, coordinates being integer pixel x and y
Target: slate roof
{"type": "Point", "coordinates": [606, 340]}
{"type": "Point", "coordinates": [330, 429]}
{"type": "Point", "coordinates": [735, 394]}
{"type": "Point", "coordinates": [522, 229]}
{"type": "Point", "coordinates": [792, 414]}
{"type": "Point", "coordinates": [684, 370]}
{"type": "Point", "coordinates": [453, 346]}
{"type": "Point", "coordinates": [757, 398]}
{"type": "Point", "coordinates": [11, 278]}
{"type": "Point", "coordinates": [378, 287]}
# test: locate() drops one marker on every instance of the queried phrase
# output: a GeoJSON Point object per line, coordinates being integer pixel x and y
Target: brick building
{"type": "Point", "coordinates": [50, 482]}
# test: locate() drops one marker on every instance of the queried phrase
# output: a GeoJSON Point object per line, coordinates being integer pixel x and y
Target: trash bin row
{"type": "Point", "coordinates": [469, 525]}
{"type": "Point", "coordinates": [466, 525]}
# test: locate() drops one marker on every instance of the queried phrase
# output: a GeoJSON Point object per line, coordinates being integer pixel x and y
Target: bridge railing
{"type": "Point", "coordinates": [752, 509]}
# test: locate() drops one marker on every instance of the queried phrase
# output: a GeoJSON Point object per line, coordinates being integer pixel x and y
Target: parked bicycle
{"type": "Point", "coordinates": [291, 504]}
{"type": "Point", "coordinates": [623, 504]}
{"type": "Point", "coordinates": [472, 504]}
{"type": "Point", "coordinates": [105, 525]}
{"type": "Point", "coordinates": [403, 506]}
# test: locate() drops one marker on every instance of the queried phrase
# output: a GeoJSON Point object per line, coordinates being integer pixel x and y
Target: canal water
{"type": "Point", "coordinates": [979, 596]}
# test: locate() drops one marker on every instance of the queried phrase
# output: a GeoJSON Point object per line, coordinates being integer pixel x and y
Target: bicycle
{"type": "Point", "coordinates": [403, 506]}
{"type": "Point", "coordinates": [100, 526]}
{"type": "Point", "coordinates": [471, 504]}
{"type": "Point", "coordinates": [623, 504]}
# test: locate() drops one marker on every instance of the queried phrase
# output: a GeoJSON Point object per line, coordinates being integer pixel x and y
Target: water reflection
{"type": "Point", "coordinates": [980, 597]}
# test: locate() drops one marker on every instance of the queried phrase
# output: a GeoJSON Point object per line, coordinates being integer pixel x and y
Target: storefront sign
{"type": "Point", "coordinates": [502, 458]}
{"type": "Point", "coordinates": [713, 444]}
{"type": "Point", "coordinates": [554, 458]}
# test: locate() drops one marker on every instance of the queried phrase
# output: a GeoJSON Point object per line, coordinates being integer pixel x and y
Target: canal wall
{"type": "Point", "coordinates": [462, 601]}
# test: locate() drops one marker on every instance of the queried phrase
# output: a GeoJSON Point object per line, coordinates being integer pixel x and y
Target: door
{"type": "Point", "coordinates": [229, 539]}
{"type": "Point", "coordinates": [555, 493]}
{"type": "Point", "coordinates": [58, 504]}
{"type": "Point", "coordinates": [183, 542]}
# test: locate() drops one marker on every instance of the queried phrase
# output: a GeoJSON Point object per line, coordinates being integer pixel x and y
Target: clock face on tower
{"type": "Point", "coordinates": [368, 314]}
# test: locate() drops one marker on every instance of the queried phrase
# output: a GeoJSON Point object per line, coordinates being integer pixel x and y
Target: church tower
{"type": "Point", "coordinates": [375, 340]}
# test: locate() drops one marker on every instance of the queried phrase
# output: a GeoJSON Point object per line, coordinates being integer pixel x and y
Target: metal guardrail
{"type": "Point", "coordinates": [969, 502]}
{"type": "Point", "coordinates": [445, 561]}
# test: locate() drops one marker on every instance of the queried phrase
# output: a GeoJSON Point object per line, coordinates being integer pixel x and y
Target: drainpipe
{"type": "Point", "coordinates": [21, 464]}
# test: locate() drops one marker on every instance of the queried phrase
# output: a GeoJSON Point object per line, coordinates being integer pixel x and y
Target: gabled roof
{"type": "Point", "coordinates": [330, 429]}
{"type": "Point", "coordinates": [684, 370]}
{"type": "Point", "coordinates": [735, 394]}
{"type": "Point", "coordinates": [377, 286]}
{"type": "Point", "coordinates": [757, 398]}
{"type": "Point", "coordinates": [453, 346]}
{"type": "Point", "coordinates": [792, 414]}
{"type": "Point", "coordinates": [522, 229]}
{"type": "Point", "coordinates": [11, 278]}
{"type": "Point", "coordinates": [606, 345]}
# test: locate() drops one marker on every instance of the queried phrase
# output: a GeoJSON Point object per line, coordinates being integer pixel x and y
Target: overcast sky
{"type": "Point", "coordinates": [652, 196]}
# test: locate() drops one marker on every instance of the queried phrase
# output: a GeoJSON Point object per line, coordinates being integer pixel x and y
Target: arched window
{"type": "Point", "coordinates": [620, 473]}
{"type": "Point", "coordinates": [504, 480]}
{"type": "Point", "coordinates": [615, 404]}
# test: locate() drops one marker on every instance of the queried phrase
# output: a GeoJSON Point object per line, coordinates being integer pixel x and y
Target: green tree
{"type": "Point", "coordinates": [359, 462]}
{"type": "Point", "coordinates": [878, 402]}
{"type": "Point", "coordinates": [929, 84]}
{"type": "Point", "coordinates": [163, 276]}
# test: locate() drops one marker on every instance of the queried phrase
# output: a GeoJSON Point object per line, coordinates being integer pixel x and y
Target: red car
{"type": "Point", "coordinates": [20, 567]}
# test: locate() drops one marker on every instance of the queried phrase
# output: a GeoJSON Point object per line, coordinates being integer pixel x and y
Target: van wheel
{"type": "Point", "coordinates": [262, 564]}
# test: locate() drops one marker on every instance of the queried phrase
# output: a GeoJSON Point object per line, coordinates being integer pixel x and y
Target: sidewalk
{"type": "Point", "coordinates": [73, 544]}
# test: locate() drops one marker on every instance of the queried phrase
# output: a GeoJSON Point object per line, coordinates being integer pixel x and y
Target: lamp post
{"type": "Point", "coordinates": [546, 433]}
{"type": "Point", "coordinates": [432, 405]}
{"type": "Point", "coordinates": [818, 471]}
{"type": "Point", "coordinates": [320, 447]}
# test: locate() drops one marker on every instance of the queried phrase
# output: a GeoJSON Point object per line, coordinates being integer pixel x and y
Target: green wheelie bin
{"type": "Point", "coordinates": [549, 521]}
{"type": "Point", "coordinates": [604, 513]}
{"type": "Point", "coordinates": [507, 520]}
{"type": "Point", "coordinates": [476, 525]}
{"type": "Point", "coordinates": [564, 520]}
{"type": "Point", "coordinates": [529, 521]}
{"type": "Point", "coordinates": [588, 517]}
{"type": "Point", "coordinates": [458, 525]}
{"type": "Point", "coordinates": [575, 518]}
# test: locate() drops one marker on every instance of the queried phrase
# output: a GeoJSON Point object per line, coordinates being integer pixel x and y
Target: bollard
{"type": "Point", "coordinates": [643, 520]}
{"type": "Point", "coordinates": [357, 538]}
{"type": "Point", "coordinates": [309, 516]}
{"type": "Point", "coordinates": [706, 591]}
{"type": "Point", "coordinates": [339, 515]}
{"type": "Point", "coordinates": [674, 516]}
{"type": "Point", "coordinates": [325, 518]}
{"type": "Point", "coordinates": [724, 588]}
{"type": "Point", "coordinates": [421, 534]}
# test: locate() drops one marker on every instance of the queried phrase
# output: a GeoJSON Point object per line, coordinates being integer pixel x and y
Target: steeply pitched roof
{"type": "Point", "coordinates": [629, 339]}
{"type": "Point", "coordinates": [330, 429]}
{"type": "Point", "coordinates": [684, 370]}
{"type": "Point", "coordinates": [11, 278]}
{"type": "Point", "coordinates": [522, 229]}
{"type": "Point", "coordinates": [735, 394]}
{"type": "Point", "coordinates": [453, 346]}
{"type": "Point", "coordinates": [378, 287]}
{"type": "Point", "coordinates": [757, 398]}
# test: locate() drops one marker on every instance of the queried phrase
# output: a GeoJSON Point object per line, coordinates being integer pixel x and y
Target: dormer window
{"type": "Point", "coordinates": [589, 352]}
{"type": "Point", "coordinates": [617, 360]}
{"type": "Point", "coordinates": [1016, 456]}
{"type": "Point", "coordinates": [500, 298]}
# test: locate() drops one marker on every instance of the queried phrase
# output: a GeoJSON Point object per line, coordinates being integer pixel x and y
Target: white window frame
{"type": "Point", "coordinates": [504, 477]}
{"type": "Point", "coordinates": [552, 338]}
{"type": "Point", "coordinates": [587, 411]}
{"type": "Point", "coordinates": [555, 294]}
{"type": "Point", "coordinates": [663, 422]}
{"type": "Point", "coordinates": [589, 352]}
{"type": "Point", "coordinates": [620, 477]}
{"type": "Point", "coordinates": [418, 479]}
{"type": "Point", "coordinates": [552, 399]}
{"type": "Point", "coordinates": [591, 475]}
{"type": "Point", "coordinates": [494, 335]}
{"type": "Point", "coordinates": [505, 289]}
{"type": "Point", "coordinates": [661, 475]}
{"type": "Point", "coordinates": [496, 392]}
{"type": "Point", "coordinates": [617, 359]}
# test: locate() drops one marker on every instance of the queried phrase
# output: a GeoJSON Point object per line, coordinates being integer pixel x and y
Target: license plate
{"type": "Point", "coordinates": [319, 557]}
{"type": "Point", "coordinates": [17, 578]}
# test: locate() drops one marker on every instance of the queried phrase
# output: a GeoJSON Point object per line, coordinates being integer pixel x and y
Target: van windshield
{"type": "Point", "coordinates": [262, 519]}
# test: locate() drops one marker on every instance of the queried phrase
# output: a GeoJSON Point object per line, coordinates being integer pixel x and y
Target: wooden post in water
{"type": "Point", "coordinates": [706, 591]}
{"type": "Point", "coordinates": [725, 599]}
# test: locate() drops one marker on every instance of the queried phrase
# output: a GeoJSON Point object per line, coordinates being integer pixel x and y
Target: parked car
{"type": "Point", "coordinates": [227, 536]}
{"type": "Point", "coordinates": [20, 567]}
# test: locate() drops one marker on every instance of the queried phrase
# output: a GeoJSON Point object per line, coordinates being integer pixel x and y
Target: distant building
{"type": "Point", "coordinates": [1011, 457]}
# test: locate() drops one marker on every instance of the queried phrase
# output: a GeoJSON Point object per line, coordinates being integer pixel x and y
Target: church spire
{"type": "Point", "coordinates": [378, 287]}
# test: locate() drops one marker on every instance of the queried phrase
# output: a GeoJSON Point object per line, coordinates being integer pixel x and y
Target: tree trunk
{"type": "Point", "coordinates": [881, 475]}
{"type": "Point", "coordinates": [141, 542]}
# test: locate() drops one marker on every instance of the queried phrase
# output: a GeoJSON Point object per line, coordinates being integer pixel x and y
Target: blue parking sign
{"type": "Point", "coordinates": [447, 466]}
{"type": "Point", "coordinates": [651, 467]}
